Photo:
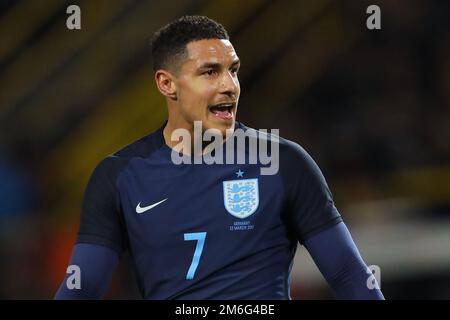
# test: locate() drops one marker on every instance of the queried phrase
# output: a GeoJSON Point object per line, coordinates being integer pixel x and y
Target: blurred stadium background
{"type": "Point", "coordinates": [371, 107]}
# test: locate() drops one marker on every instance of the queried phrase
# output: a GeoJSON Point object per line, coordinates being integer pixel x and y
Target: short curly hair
{"type": "Point", "coordinates": [169, 42]}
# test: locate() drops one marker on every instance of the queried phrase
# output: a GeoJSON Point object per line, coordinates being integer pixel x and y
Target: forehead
{"type": "Point", "coordinates": [210, 50]}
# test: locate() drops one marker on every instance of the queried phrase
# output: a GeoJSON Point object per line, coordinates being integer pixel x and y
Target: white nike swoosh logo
{"type": "Point", "coordinates": [140, 209]}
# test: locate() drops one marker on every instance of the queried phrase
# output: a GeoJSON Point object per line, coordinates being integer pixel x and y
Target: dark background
{"type": "Point", "coordinates": [370, 106]}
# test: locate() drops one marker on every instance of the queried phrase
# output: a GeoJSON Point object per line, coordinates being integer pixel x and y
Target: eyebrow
{"type": "Point", "coordinates": [215, 65]}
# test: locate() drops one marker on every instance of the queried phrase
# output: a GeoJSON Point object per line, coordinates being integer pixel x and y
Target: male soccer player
{"type": "Point", "coordinates": [208, 231]}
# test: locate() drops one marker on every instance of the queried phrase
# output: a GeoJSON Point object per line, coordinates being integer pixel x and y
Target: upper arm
{"type": "Point", "coordinates": [101, 235]}
{"type": "Point", "coordinates": [101, 218]}
{"type": "Point", "coordinates": [310, 202]}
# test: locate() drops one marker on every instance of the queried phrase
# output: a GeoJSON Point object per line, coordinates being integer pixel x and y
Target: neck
{"type": "Point", "coordinates": [181, 143]}
{"type": "Point", "coordinates": [187, 140]}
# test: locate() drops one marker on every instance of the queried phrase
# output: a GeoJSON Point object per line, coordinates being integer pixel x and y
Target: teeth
{"type": "Point", "coordinates": [223, 106]}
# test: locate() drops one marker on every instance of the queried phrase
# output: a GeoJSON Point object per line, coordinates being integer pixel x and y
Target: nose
{"type": "Point", "coordinates": [229, 84]}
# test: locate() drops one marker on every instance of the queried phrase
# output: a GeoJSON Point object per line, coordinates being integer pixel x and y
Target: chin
{"type": "Point", "coordinates": [222, 126]}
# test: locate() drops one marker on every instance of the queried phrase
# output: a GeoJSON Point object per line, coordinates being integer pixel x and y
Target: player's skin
{"type": "Point", "coordinates": [207, 76]}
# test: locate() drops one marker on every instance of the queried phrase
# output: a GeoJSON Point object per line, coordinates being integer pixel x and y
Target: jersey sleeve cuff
{"type": "Point", "coordinates": [94, 239]}
{"type": "Point", "coordinates": [320, 228]}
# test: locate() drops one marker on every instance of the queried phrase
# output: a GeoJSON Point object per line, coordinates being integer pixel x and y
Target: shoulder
{"type": "Point", "coordinates": [291, 153]}
{"type": "Point", "coordinates": [143, 147]}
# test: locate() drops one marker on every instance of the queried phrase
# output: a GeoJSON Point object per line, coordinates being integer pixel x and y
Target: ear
{"type": "Point", "coordinates": [165, 82]}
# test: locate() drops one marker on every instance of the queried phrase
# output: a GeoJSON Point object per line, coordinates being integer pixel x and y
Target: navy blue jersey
{"type": "Point", "coordinates": [200, 231]}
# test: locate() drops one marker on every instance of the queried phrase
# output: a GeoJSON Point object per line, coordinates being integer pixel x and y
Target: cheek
{"type": "Point", "coordinates": [238, 85]}
{"type": "Point", "coordinates": [201, 92]}
{"type": "Point", "coordinates": [194, 98]}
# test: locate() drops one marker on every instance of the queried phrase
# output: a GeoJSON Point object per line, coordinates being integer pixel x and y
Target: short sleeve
{"type": "Point", "coordinates": [310, 206]}
{"type": "Point", "coordinates": [101, 219]}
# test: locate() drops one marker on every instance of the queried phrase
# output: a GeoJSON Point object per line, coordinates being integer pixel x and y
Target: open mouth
{"type": "Point", "coordinates": [222, 111]}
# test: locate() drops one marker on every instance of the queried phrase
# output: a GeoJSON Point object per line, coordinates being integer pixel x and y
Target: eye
{"type": "Point", "coordinates": [210, 72]}
{"type": "Point", "coordinates": [234, 70]}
